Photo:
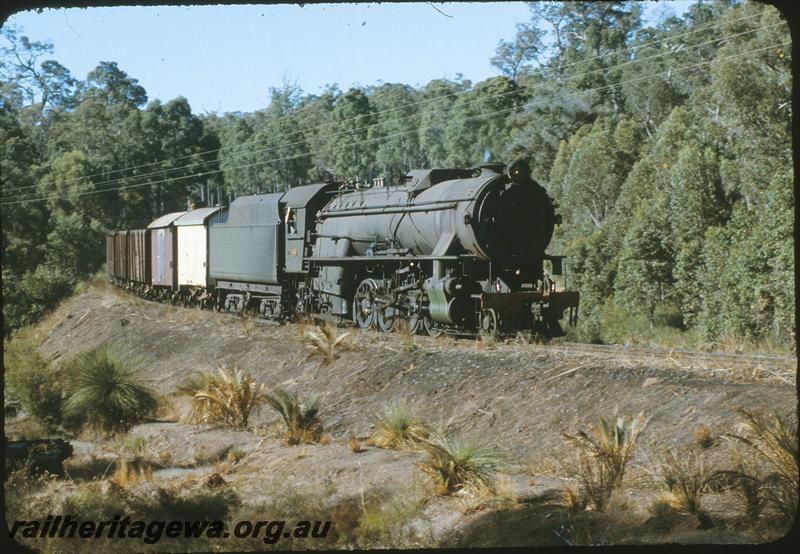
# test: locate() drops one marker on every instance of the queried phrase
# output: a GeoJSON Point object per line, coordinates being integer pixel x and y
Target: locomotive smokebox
{"type": "Point", "coordinates": [513, 216]}
{"type": "Point", "coordinates": [518, 171]}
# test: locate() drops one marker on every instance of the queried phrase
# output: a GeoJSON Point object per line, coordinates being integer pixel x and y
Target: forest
{"type": "Point", "coordinates": [667, 147]}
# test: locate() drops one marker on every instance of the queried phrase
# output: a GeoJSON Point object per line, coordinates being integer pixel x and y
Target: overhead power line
{"type": "Point", "coordinates": [575, 93]}
{"type": "Point", "coordinates": [250, 152]}
{"type": "Point", "coordinates": [411, 104]}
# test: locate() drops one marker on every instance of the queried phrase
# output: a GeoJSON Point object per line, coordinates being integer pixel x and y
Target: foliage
{"type": "Point", "coordinates": [228, 396]}
{"type": "Point", "coordinates": [396, 427]}
{"type": "Point", "coordinates": [686, 477]}
{"type": "Point", "coordinates": [775, 444]}
{"type": "Point", "coordinates": [299, 416]}
{"type": "Point", "coordinates": [167, 503]}
{"type": "Point", "coordinates": [703, 436]}
{"type": "Point", "coordinates": [324, 343]}
{"type": "Point", "coordinates": [106, 394]}
{"type": "Point", "coordinates": [29, 377]}
{"type": "Point", "coordinates": [675, 185]}
{"type": "Point", "coordinates": [462, 465]}
{"type": "Point", "coordinates": [603, 456]}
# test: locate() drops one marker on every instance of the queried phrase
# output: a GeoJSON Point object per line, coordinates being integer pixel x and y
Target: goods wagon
{"type": "Point", "coordinates": [163, 250]}
{"type": "Point", "coordinates": [121, 255]}
{"type": "Point", "coordinates": [138, 262]}
{"type": "Point", "coordinates": [192, 230]}
{"type": "Point", "coordinates": [110, 254]}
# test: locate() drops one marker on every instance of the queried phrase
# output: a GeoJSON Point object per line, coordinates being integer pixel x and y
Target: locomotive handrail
{"type": "Point", "coordinates": [391, 209]}
{"type": "Point", "coordinates": [334, 260]}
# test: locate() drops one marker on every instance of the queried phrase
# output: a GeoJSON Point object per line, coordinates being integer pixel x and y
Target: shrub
{"type": "Point", "coordinates": [775, 444]}
{"type": "Point", "coordinates": [105, 394]}
{"type": "Point", "coordinates": [662, 505]}
{"type": "Point", "coordinates": [703, 437]}
{"type": "Point", "coordinates": [603, 457]}
{"type": "Point", "coordinates": [685, 477]}
{"type": "Point", "coordinates": [384, 519]}
{"type": "Point", "coordinates": [193, 505]}
{"type": "Point", "coordinates": [398, 429]}
{"type": "Point", "coordinates": [323, 343]}
{"type": "Point", "coordinates": [34, 293]}
{"type": "Point", "coordinates": [227, 397]}
{"type": "Point", "coordinates": [300, 417]}
{"type": "Point", "coordinates": [151, 502]}
{"type": "Point", "coordinates": [574, 499]}
{"type": "Point", "coordinates": [234, 455]}
{"type": "Point", "coordinates": [29, 377]}
{"type": "Point", "coordinates": [462, 465]}
{"type": "Point", "coordinates": [128, 472]}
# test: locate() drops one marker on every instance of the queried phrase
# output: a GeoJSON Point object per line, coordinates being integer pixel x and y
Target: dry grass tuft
{"type": "Point", "coordinates": [662, 504]}
{"type": "Point", "coordinates": [407, 339]}
{"type": "Point", "coordinates": [234, 455]}
{"type": "Point", "coordinates": [686, 478]}
{"type": "Point", "coordinates": [324, 343]}
{"type": "Point", "coordinates": [397, 428]}
{"type": "Point", "coordinates": [574, 500]}
{"type": "Point", "coordinates": [248, 325]}
{"type": "Point", "coordinates": [604, 456]}
{"type": "Point", "coordinates": [774, 443]}
{"type": "Point", "coordinates": [355, 446]}
{"type": "Point", "coordinates": [703, 436]}
{"type": "Point", "coordinates": [227, 397]}
{"type": "Point", "coordinates": [128, 473]}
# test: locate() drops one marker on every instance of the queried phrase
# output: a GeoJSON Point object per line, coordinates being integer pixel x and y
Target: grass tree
{"type": "Point", "coordinates": [398, 428]}
{"type": "Point", "coordinates": [463, 465]}
{"type": "Point", "coordinates": [105, 393]}
{"type": "Point", "coordinates": [301, 417]}
{"type": "Point", "coordinates": [603, 456]}
{"type": "Point", "coordinates": [228, 396]}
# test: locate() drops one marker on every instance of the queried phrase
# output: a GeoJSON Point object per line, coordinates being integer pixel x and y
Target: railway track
{"type": "Point", "coordinates": [781, 367]}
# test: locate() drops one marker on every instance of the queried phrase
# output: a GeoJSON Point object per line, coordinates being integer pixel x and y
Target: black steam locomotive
{"type": "Point", "coordinates": [446, 250]}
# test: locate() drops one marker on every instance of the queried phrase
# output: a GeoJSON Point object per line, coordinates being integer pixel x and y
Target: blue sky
{"type": "Point", "coordinates": [225, 58]}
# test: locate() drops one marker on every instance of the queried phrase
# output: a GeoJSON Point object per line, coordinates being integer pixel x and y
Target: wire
{"type": "Point", "coordinates": [171, 179]}
{"type": "Point", "coordinates": [596, 89]}
{"type": "Point", "coordinates": [250, 152]}
{"type": "Point", "coordinates": [419, 102]}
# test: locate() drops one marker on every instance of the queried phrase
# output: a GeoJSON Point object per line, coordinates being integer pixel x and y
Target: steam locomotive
{"type": "Point", "coordinates": [445, 250]}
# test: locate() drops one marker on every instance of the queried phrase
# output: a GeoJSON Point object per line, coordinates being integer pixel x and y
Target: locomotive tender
{"type": "Point", "coordinates": [445, 250]}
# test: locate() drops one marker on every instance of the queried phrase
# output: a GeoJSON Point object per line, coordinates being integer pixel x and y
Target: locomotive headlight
{"type": "Point", "coordinates": [517, 272]}
{"type": "Point", "coordinates": [518, 171]}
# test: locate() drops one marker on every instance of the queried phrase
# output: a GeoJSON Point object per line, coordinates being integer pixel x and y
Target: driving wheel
{"type": "Point", "coordinates": [364, 304]}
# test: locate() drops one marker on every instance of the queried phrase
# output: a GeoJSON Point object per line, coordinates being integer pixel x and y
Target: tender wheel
{"type": "Point", "coordinates": [364, 305]}
{"type": "Point", "coordinates": [489, 323]}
